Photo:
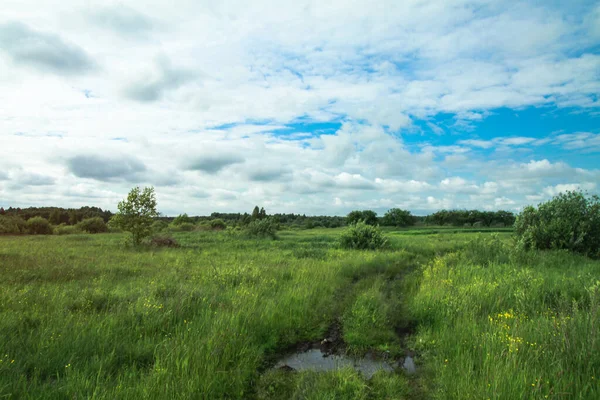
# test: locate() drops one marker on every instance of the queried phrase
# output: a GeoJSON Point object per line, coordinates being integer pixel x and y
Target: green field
{"type": "Point", "coordinates": [81, 316]}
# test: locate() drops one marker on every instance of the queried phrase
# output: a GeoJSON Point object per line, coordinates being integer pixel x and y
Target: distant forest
{"type": "Point", "coordinates": [394, 217]}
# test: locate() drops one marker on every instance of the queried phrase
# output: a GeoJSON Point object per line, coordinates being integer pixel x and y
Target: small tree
{"type": "Point", "coordinates": [368, 216]}
{"type": "Point", "coordinates": [39, 226]}
{"type": "Point", "coordinates": [182, 219]}
{"type": "Point", "coordinates": [398, 217]}
{"type": "Point", "coordinates": [136, 213]}
{"type": "Point", "coordinates": [93, 225]}
{"type": "Point", "coordinates": [255, 213]}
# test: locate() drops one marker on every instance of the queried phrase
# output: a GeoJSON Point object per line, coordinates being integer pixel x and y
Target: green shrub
{"type": "Point", "coordinates": [217, 224]}
{"type": "Point", "coordinates": [262, 228]}
{"type": "Point", "coordinates": [39, 226]}
{"type": "Point", "coordinates": [93, 225]}
{"type": "Point", "coordinates": [183, 227]}
{"type": "Point", "coordinates": [12, 225]}
{"type": "Point", "coordinates": [163, 241]}
{"type": "Point", "coordinates": [570, 221]}
{"type": "Point", "coordinates": [63, 229]}
{"type": "Point", "coordinates": [159, 226]}
{"type": "Point", "coordinates": [182, 219]}
{"type": "Point", "coordinates": [362, 236]}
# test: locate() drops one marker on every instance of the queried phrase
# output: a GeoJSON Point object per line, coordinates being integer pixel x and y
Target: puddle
{"type": "Point", "coordinates": [409, 365]}
{"type": "Point", "coordinates": [316, 360]}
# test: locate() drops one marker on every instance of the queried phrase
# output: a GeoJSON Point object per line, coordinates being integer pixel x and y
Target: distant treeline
{"type": "Point", "coordinates": [393, 217]}
{"type": "Point", "coordinates": [58, 215]}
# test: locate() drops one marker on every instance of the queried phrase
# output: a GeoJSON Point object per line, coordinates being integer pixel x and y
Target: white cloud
{"type": "Point", "coordinates": [207, 99]}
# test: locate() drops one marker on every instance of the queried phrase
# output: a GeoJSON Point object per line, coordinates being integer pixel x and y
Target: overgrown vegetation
{"type": "Point", "coordinates": [569, 221]}
{"type": "Point", "coordinates": [208, 309]}
{"type": "Point", "coordinates": [362, 236]}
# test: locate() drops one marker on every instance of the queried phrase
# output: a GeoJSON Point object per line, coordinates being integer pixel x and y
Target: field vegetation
{"type": "Point", "coordinates": [207, 313]}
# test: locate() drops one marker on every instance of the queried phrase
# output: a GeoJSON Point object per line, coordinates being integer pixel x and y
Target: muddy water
{"type": "Point", "coordinates": [315, 360]}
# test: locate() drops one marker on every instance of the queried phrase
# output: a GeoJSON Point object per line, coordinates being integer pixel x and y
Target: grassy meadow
{"type": "Point", "coordinates": [82, 316]}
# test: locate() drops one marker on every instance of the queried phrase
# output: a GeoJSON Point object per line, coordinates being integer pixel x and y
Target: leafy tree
{"type": "Point", "coordinates": [262, 213]}
{"type": "Point", "coordinates": [571, 221]}
{"type": "Point", "coordinates": [39, 226]}
{"type": "Point", "coordinates": [262, 228]}
{"type": "Point", "coordinates": [368, 216]}
{"type": "Point", "coordinates": [182, 219]}
{"type": "Point", "coordinates": [397, 217]}
{"type": "Point", "coordinates": [93, 225]}
{"type": "Point", "coordinates": [136, 213]}
{"type": "Point", "coordinates": [255, 213]}
{"type": "Point", "coordinates": [55, 217]}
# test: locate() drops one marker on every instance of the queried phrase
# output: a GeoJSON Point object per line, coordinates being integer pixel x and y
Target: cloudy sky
{"type": "Point", "coordinates": [317, 107]}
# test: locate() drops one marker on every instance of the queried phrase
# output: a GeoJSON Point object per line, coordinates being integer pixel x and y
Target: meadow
{"type": "Point", "coordinates": [82, 316]}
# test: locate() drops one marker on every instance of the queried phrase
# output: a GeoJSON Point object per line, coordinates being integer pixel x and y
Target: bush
{"type": "Point", "coordinates": [93, 225]}
{"type": "Point", "coordinates": [368, 216]}
{"type": "Point", "coordinates": [362, 236]}
{"type": "Point", "coordinates": [163, 241]}
{"type": "Point", "coordinates": [398, 217]}
{"type": "Point", "coordinates": [569, 221]}
{"type": "Point", "coordinates": [63, 229]}
{"type": "Point", "coordinates": [12, 225]}
{"type": "Point", "coordinates": [182, 219]}
{"type": "Point", "coordinates": [262, 228]}
{"type": "Point", "coordinates": [159, 226]}
{"type": "Point", "coordinates": [183, 227]}
{"type": "Point", "coordinates": [39, 226]}
{"type": "Point", "coordinates": [217, 224]}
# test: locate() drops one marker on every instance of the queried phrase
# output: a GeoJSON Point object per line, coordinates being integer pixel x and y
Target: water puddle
{"type": "Point", "coordinates": [316, 360]}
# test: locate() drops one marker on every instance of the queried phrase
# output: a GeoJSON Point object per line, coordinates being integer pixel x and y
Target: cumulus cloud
{"type": "Point", "coordinates": [292, 105]}
{"type": "Point", "coordinates": [154, 86]}
{"type": "Point", "coordinates": [45, 51]}
{"type": "Point", "coordinates": [212, 163]}
{"type": "Point", "coordinates": [106, 168]}
{"type": "Point", "coordinates": [122, 19]}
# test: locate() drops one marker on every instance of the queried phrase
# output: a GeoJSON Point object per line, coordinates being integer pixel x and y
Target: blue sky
{"type": "Point", "coordinates": [299, 106]}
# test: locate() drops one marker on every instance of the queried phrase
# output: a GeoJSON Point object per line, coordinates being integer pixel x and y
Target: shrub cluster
{"type": "Point", "coordinates": [93, 225]}
{"type": "Point", "coordinates": [570, 221]}
{"type": "Point", "coordinates": [362, 236]}
{"type": "Point", "coordinates": [262, 228]}
{"type": "Point", "coordinates": [39, 226]}
{"type": "Point", "coordinates": [64, 229]}
{"type": "Point", "coordinates": [12, 225]}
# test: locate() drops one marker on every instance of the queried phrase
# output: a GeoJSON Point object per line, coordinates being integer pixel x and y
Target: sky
{"type": "Point", "coordinates": [304, 106]}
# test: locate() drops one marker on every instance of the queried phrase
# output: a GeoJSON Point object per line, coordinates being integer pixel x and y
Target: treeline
{"type": "Point", "coordinates": [13, 220]}
{"type": "Point", "coordinates": [58, 215]}
{"type": "Point", "coordinates": [471, 218]}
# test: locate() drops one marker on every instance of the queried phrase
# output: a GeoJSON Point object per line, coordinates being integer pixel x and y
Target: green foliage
{"type": "Point", "coordinates": [159, 226]}
{"type": "Point", "coordinates": [39, 226]}
{"type": "Point", "coordinates": [569, 221]}
{"type": "Point", "coordinates": [368, 216]}
{"type": "Point", "coordinates": [397, 217]}
{"type": "Point", "coordinates": [136, 213]}
{"type": "Point", "coordinates": [163, 241]}
{"type": "Point", "coordinates": [362, 236]}
{"type": "Point", "coordinates": [183, 227]}
{"type": "Point", "coordinates": [182, 219]}
{"type": "Point", "coordinates": [511, 331]}
{"type": "Point", "coordinates": [12, 225]}
{"type": "Point", "coordinates": [63, 229]}
{"type": "Point", "coordinates": [217, 224]}
{"type": "Point", "coordinates": [471, 218]}
{"type": "Point", "coordinates": [262, 228]}
{"type": "Point", "coordinates": [93, 225]}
